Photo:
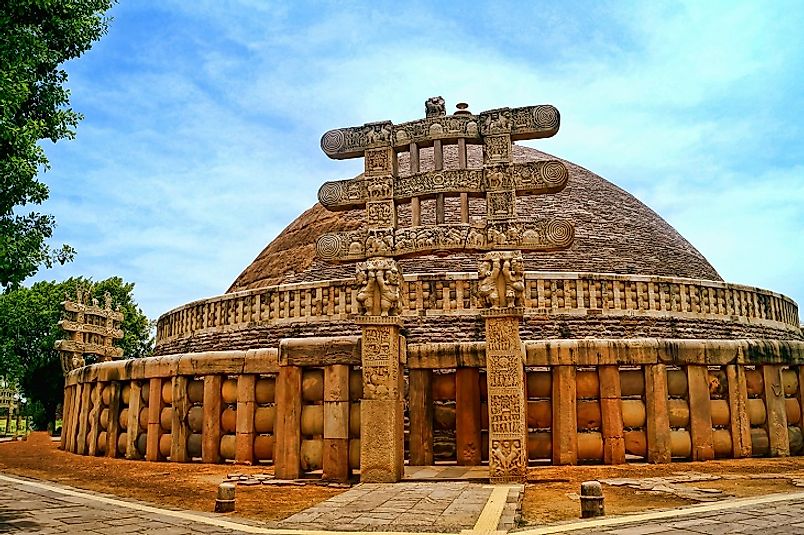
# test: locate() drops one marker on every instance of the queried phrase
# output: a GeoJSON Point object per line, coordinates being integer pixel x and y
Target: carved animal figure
{"type": "Point", "coordinates": [435, 107]}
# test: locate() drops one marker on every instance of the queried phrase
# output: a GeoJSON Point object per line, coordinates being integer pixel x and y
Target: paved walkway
{"type": "Point", "coordinates": [424, 506]}
{"type": "Point", "coordinates": [31, 506]}
{"type": "Point", "coordinates": [765, 515]}
{"type": "Point", "coordinates": [28, 506]}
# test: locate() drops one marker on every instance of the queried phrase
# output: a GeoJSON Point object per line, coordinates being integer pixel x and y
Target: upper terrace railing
{"type": "Point", "coordinates": [454, 294]}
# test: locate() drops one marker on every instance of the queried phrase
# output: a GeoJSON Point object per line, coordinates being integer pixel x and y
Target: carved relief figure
{"type": "Point", "coordinates": [514, 273]}
{"type": "Point", "coordinates": [389, 291]}
{"type": "Point", "coordinates": [487, 292]}
{"type": "Point", "coordinates": [365, 282]}
{"type": "Point", "coordinates": [377, 161]}
{"type": "Point", "coordinates": [496, 122]}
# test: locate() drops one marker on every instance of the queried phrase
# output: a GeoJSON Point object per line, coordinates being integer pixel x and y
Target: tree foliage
{"type": "Point", "coordinates": [36, 38]}
{"type": "Point", "coordinates": [29, 329]}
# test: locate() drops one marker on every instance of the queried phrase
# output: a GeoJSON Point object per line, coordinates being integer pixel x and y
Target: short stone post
{"type": "Point", "coordinates": [592, 499]}
{"type": "Point", "coordinates": [225, 502]}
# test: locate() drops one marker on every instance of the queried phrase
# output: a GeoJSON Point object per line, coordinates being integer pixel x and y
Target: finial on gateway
{"type": "Point", "coordinates": [381, 187]}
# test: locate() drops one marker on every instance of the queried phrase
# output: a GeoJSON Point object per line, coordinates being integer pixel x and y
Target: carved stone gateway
{"type": "Point", "coordinates": [92, 330]}
{"type": "Point", "coordinates": [502, 236]}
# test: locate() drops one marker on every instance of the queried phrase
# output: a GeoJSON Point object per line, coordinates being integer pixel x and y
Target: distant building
{"type": "Point", "coordinates": [7, 399]}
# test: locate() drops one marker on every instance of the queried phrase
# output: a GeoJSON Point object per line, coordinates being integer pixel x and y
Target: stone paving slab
{"type": "Point", "coordinates": [435, 506]}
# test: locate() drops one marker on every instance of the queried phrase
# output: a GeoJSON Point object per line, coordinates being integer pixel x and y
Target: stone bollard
{"type": "Point", "coordinates": [225, 502]}
{"type": "Point", "coordinates": [591, 499]}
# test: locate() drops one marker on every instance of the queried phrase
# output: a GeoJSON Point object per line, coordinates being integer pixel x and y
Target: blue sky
{"type": "Point", "coordinates": [200, 142]}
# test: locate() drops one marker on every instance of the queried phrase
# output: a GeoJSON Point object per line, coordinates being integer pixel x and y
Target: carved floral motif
{"type": "Point", "coordinates": [507, 460]}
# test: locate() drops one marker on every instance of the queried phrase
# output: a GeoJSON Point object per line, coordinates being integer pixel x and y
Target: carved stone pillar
{"type": "Point", "coordinates": [500, 290]}
{"type": "Point", "coordinates": [381, 409]}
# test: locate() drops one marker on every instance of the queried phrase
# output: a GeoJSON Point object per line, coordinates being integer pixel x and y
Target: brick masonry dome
{"type": "Point", "coordinates": [614, 233]}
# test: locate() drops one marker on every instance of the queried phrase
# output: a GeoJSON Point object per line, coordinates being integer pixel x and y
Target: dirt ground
{"type": "Point", "coordinates": [551, 494]}
{"type": "Point", "coordinates": [185, 486]}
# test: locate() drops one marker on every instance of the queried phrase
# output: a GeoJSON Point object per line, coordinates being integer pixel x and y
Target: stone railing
{"type": "Point", "coordinates": [442, 294]}
{"type": "Point", "coordinates": [699, 399]}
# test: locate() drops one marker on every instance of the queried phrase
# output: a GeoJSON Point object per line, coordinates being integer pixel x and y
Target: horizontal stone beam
{"type": "Point", "coordinates": [102, 330]}
{"type": "Point", "coordinates": [87, 348]}
{"type": "Point", "coordinates": [531, 178]}
{"type": "Point", "coordinates": [319, 351]}
{"type": "Point", "coordinates": [92, 310]}
{"type": "Point", "coordinates": [252, 361]}
{"type": "Point", "coordinates": [536, 235]}
{"type": "Point", "coordinates": [530, 122]}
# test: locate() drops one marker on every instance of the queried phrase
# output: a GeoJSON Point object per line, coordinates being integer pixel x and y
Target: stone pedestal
{"type": "Point", "coordinates": [508, 431]}
{"type": "Point", "coordinates": [381, 409]}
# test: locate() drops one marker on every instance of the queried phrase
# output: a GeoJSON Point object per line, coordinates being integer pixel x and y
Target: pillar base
{"type": "Point", "coordinates": [382, 453]}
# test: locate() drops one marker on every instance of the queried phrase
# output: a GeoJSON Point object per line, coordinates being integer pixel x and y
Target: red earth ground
{"type": "Point", "coordinates": [548, 496]}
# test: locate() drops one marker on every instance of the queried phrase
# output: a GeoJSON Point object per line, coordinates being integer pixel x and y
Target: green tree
{"type": "Point", "coordinates": [29, 329]}
{"type": "Point", "coordinates": [36, 37]}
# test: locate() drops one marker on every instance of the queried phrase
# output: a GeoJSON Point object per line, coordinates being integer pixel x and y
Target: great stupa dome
{"type": "Point", "coordinates": [615, 233]}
